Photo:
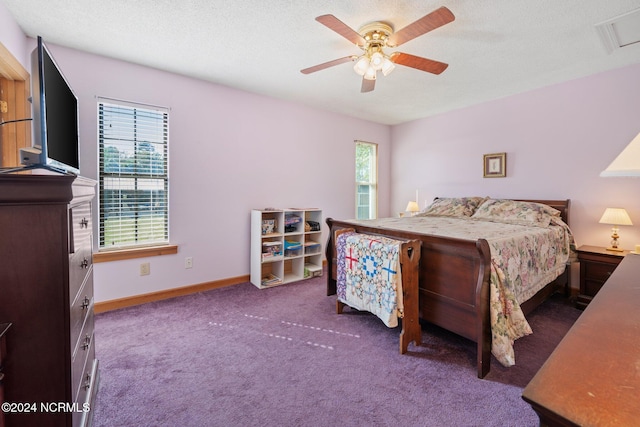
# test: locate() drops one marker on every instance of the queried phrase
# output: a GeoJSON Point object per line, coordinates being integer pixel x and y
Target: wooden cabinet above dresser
{"type": "Point", "coordinates": [46, 292]}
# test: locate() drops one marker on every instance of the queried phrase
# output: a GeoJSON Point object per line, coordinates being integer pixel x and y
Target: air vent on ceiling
{"type": "Point", "coordinates": [621, 31]}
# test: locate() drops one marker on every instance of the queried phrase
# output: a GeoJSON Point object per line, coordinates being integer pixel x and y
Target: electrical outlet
{"type": "Point", "coordinates": [188, 262]}
{"type": "Point", "coordinates": [145, 269]}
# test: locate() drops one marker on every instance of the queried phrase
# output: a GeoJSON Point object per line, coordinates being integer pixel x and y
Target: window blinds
{"type": "Point", "coordinates": [133, 151]}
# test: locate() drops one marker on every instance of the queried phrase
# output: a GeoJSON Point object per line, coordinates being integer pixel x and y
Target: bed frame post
{"type": "Point", "coordinates": [483, 319]}
{"type": "Point", "coordinates": [410, 264]}
{"type": "Point", "coordinates": [329, 253]}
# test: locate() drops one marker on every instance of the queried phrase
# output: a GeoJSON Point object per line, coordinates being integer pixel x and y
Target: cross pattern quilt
{"type": "Point", "coordinates": [369, 276]}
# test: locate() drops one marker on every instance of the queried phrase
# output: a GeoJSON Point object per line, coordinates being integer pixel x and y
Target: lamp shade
{"type": "Point", "coordinates": [361, 65]}
{"type": "Point", "coordinates": [387, 66]}
{"type": "Point", "coordinates": [377, 61]}
{"type": "Point", "coordinates": [615, 216]}
{"type": "Point", "coordinates": [370, 74]}
{"type": "Point", "coordinates": [627, 163]}
{"type": "Point", "coordinates": [412, 207]}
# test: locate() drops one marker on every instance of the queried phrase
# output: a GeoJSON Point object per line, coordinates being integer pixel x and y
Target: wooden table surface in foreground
{"type": "Point", "coordinates": [593, 376]}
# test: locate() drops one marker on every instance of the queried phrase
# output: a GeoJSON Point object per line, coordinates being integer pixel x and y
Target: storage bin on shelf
{"type": "Point", "coordinates": [292, 248]}
{"type": "Point", "coordinates": [292, 223]}
{"type": "Point", "coordinates": [271, 250]}
{"type": "Point", "coordinates": [312, 270]}
{"type": "Point", "coordinates": [312, 247]}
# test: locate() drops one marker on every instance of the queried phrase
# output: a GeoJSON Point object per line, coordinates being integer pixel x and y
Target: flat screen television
{"type": "Point", "coordinates": [55, 143]}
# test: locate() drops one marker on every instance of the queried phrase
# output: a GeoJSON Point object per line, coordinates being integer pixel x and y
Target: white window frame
{"type": "Point", "coordinates": [366, 176]}
{"type": "Point", "coordinates": [134, 193]}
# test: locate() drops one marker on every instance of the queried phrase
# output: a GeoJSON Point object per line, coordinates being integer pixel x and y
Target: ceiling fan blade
{"type": "Point", "coordinates": [419, 63]}
{"type": "Point", "coordinates": [429, 22]}
{"type": "Point", "coordinates": [341, 28]}
{"type": "Point", "coordinates": [367, 85]}
{"type": "Point", "coordinates": [327, 64]}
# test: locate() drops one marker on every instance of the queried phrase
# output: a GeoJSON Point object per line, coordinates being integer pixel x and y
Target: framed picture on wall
{"type": "Point", "coordinates": [495, 165]}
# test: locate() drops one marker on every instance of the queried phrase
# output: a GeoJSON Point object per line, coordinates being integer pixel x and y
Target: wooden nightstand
{"type": "Point", "coordinates": [596, 265]}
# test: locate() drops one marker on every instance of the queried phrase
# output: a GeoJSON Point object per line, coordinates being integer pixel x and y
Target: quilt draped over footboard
{"type": "Point", "coordinates": [369, 275]}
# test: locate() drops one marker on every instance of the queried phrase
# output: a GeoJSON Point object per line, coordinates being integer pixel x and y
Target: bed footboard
{"type": "Point", "coordinates": [453, 282]}
{"type": "Point", "coordinates": [409, 258]}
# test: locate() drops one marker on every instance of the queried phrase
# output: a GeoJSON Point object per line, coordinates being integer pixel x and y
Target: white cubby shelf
{"type": "Point", "coordinates": [286, 245]}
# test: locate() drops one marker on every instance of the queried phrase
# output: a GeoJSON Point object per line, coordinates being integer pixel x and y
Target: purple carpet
{"type": "Point", "coordinates": [240, 356]}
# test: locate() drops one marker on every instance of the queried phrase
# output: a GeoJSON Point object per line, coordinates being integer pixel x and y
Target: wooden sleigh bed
{"type": "Point", "coordinates": [454, 280]}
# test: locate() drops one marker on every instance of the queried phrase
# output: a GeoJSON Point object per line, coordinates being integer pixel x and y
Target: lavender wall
{"type": "Point", "coordinates": [558, 139]}
{"type": "Point", "coordinates": [12, 37]}
{"type": "Point", "coordinates": [230, 151]}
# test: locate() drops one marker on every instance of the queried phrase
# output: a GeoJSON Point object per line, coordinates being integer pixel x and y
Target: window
{"type": "Point", "coordinates": [366, 180]}
{"type": "Point", "coordinates": [133, 176]}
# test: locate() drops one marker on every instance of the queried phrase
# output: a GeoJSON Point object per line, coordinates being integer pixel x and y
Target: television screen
{"type": "Point", "coordinates": [55, 114]}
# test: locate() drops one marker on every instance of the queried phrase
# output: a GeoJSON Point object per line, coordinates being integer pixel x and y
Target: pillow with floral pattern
{"type": "Point", "coordinates": [516, 212]}
{"type": "Point", "coordinates": [453, 206]}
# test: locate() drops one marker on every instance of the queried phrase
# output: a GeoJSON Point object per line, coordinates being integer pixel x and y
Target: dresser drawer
{"type": "Point", "coordinates": [86, 393]}
{"type": "Point", "coordinates": [80, 247]}
{"type": "Point", "coordinates": [81, 307]}
{"type": "Point", "coordinates": [598, 271]}
{"type": "Point", "coordinates": [80, 265]}
{"type": "Point", "coordinates": [80, 227]}
{"type": "Point", "coordinates": [84, 351]}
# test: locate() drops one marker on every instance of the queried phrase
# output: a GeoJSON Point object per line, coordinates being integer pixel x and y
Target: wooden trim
{"type": "Point", "coordinates": [10, 67]}
{"type": "Point", "coordinates": [118, 255]}
{"type": "Point", "coordinates": [15, 89]}
{"type": "Point", "coordinates": [102, 307]}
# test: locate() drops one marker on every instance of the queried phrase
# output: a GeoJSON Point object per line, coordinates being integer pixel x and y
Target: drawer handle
{"type": "Point", "coordinates": [85, 303]}
{"type": "Point", "coordinates": [87, 382]}
{"type": "Point", "coordinates": [84, 223]}
{"type": "Point", "coordinates": [84, 263]}
{"type": "Point", "coordinates": [86, 343]}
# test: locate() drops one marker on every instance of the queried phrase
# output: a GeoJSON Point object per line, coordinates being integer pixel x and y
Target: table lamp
{"type": "Point", "coordinates": [627, 163]}
{"type": "Point", "coordinates": [615, 217]}
{"type": "Point", "coordinates": [412, 207]}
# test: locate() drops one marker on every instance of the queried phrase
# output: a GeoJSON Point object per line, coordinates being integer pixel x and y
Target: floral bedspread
{"type": "Point", "coordinates": [523, 260]}
{"type": "Point", "coordinates": [369, 276]}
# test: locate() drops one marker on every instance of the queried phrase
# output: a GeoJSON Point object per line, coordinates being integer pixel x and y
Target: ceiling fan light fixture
{"type": "Point", "coordinates": [370, 74]}
{"type": "Point", "coordinates": [387, 66]}
{"type": "Point", "coordinates": [377, 61]}
{"type": "Point", "coordinates": [362, 65]}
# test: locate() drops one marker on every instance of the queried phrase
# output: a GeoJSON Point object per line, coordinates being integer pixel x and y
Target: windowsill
{"type": "Point", "coordinates": [117, 255]}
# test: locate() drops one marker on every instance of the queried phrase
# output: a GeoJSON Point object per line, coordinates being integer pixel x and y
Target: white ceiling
{"type": "Point", "coordinates": [494, 48]}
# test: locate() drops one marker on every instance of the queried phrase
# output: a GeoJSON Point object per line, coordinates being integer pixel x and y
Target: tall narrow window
{"type": "Point", "coordinates": [366, 180]}
{"type": "Point", "coordinates": [134, 182]}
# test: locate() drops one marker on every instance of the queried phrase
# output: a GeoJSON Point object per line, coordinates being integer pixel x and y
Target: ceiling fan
{"type": "Point", "coordinates": [373, 37]}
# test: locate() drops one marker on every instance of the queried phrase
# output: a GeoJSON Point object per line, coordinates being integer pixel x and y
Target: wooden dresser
{"type": "Point", "coordinates": [46, 292]}
{"type": "Point", "coordinates": [593, 376]}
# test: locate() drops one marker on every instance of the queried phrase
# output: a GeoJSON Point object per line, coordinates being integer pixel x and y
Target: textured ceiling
{"type": "Point", "coordinates": [494, 48]}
